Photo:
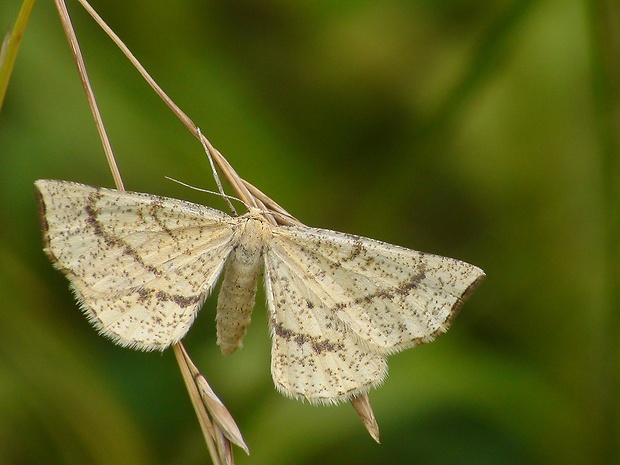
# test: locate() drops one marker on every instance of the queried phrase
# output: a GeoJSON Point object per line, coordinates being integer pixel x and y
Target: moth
{"type": "Point", "coordinates": [141, 266]}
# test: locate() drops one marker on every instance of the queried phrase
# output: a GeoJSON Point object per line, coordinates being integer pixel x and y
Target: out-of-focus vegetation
{"type": "Point", "coordinates": [475, 129]}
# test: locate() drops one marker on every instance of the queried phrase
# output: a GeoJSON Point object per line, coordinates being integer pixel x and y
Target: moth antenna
{"type": "Point", "coordinates": [220, 194]}
{"type": "Point", "coordinates": [215, 175]}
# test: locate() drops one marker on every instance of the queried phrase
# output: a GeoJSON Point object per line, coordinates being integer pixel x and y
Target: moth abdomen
{"type": "Point", "coordinates": [238, 291]}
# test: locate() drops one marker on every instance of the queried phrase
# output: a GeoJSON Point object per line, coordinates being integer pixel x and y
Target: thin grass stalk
{"type": "Point", "coordinates": [10, 47]}
{"type": "Point", "coordinates": [90, 95]}
{"type": "Point", "coordinates": [206, 426]}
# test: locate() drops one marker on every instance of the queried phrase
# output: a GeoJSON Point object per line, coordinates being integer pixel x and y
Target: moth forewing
{"type": "Point", "coordinates": [389, 296]}
{"type": "Point", "coordinates": [140, 265]}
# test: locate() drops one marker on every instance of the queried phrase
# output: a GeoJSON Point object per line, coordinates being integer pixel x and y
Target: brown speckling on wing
{"type": "Point", "coordinates": [140, 265]}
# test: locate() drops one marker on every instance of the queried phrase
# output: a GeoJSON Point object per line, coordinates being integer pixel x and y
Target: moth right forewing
{"type": "Point", "coordinates": [140, 265]}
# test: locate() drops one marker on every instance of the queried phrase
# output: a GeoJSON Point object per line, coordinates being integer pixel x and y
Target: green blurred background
{"type": "Point", "coordinates": [481, 130]}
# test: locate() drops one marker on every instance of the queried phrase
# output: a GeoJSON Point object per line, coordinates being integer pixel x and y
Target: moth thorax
{"type": "Point", "coordinates": [238, 290]}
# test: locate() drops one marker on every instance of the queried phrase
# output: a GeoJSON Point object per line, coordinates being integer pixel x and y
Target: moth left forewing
{"type": "Point", "coordinates": [390, 297]}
